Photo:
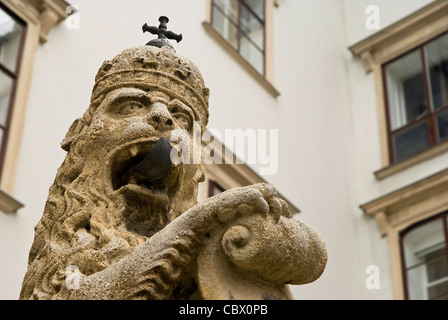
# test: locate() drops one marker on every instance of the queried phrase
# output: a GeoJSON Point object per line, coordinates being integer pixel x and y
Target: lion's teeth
{"type": "Point", "coordinates": [133, 150]}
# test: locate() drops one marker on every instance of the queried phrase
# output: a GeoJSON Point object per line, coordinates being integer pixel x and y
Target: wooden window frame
{"type": "Point", "coordinates": [444, 217]}
{"type": "Point", "coordinates": [240, 33]}
{"type": "Point", "coordinates": [389, 43]}
{"type": "Point", "coordinates": [402, 208]}
{"type": "Point", "coordinates": [212, 185]}
{"type": "Point", "coordinates": [40, 17]}
{"type": "Point", "coordinates": [230, 174]}
{"type": "Point", "coordinates": [266, 79]}
{"type": "Point", "coordinates": [431, 115]}
{"type": "Point", "coordinates": [14, 75]}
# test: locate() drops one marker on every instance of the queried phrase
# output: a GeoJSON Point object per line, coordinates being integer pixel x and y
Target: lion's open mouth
{"type": "Point", "coordinates": [143, 175]}
{"type": "Point", "coordinates": [144, 166]}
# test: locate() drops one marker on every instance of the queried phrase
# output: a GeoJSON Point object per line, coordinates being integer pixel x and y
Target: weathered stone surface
{"type": "Point", "coordinates": [257, 251]}
{"type": "Point", "coordinates": [109, 231]}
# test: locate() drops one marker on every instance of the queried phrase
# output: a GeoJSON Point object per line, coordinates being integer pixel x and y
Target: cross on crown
{"type": "Point", "coordinates": [163, 34]}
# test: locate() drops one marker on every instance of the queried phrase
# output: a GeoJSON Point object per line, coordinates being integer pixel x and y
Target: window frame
{"type": "Point", "coordinates": [228, 174]}
{"type": "Point", "coordinates": [401, 208]}
{"type": "Point", "coordinates": [240, 32]}
{"type": "Point", "coordinates": [444, 217]}
{"type": "Point", "coordinates": [40, 18]}
{"type": "Point", "coordinates": [429, 118]}
{"type": "Point", "coordinates": [14, 75]}
{"type": "Point", "coordinates": [386, 44]}
{"type": "Point", "coordinates": [212, 185]}
{"type": "Point", "coordinates": [266, 81]}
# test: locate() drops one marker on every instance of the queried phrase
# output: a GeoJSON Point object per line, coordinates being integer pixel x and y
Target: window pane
{"type": "Point", "coordinates": [437, 55]}
{"type": "Point", "coordinates": [5, 94]}
{"type": "Point", "coordinates": [442, 125]}
{"type": "Point", "coordinates": [228, 8]}
{"type": "Point", "coordinates": [214, 189]}
{"type": "Point", "coordinates": [410, 141]}
{"type": "Point", "coordinates": [252, 54]}
{"type": "Point", "coordinates": [10, 32]}
{"type": "Point", "coordinates": [425, 260]}
{"type": "Point", "coordinates": [422, 241]}
{"type": "Point", "coordinates": [438, 291]}
{"type": "Point", "coordinates": [405, 90]}
{"type": "Point", "coordinates": [252, 27]}
{"type": "Point", "coordinates": [436, 265]}
{"type": "Point", "coordinates": [257, 7]}
{"type": "Point", "coordinates": [227, 29]}
{"type": "Point", "coordinates": [416, 283]}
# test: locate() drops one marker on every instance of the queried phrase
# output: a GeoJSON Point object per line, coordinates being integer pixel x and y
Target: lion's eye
{"type": "Point", "coordinates": [183, 120]}
{"type": "Point", "coordinates": [130, 107]}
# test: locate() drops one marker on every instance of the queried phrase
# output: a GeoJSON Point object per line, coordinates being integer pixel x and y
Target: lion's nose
{"type": "Point", "coordinates": [160, 118]}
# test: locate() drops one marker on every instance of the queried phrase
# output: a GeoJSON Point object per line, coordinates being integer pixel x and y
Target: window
{"type": "Point", "coordinates": [416, 87]}
{"type": "Point", "coordinates": [12, 33]}
{"type": "Point", "coordinates": [228, 174]}
{"type": "Point", "coordinates": [425, 260]}
{"type": "Point", "coordinates": [408, 217]}
{"type": "Point", "coordinates": [242, 24]}
{"type": "Point", "coordinates": [214, 188]}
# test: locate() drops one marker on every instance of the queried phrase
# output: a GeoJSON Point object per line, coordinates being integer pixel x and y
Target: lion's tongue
{"type": "Point", "coordinates": [156, 164]}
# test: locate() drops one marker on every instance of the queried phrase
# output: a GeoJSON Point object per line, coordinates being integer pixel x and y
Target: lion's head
{"type": "Point", "coordinates": [93, 216]}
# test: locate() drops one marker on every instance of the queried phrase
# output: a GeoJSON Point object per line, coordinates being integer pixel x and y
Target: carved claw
{"type": "Point", "coordinates": [257, 248]}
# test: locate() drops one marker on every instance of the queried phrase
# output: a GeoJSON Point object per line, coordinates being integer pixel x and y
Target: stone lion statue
{"type": "Point", "coordinates": [122, 222]}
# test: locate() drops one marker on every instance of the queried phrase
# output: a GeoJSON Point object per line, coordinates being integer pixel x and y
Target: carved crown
{"type": "Point", "coordinates": [158, 69]}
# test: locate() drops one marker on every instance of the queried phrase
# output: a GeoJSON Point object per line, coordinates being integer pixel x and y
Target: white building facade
{"type": "Point", "coordinates": [352, 92]}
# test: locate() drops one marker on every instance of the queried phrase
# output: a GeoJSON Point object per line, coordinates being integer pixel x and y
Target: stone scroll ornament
{"type": "Point", "coordinates": [122, 220]}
